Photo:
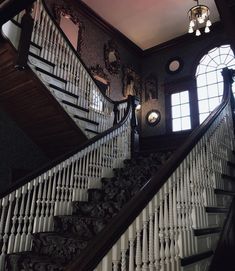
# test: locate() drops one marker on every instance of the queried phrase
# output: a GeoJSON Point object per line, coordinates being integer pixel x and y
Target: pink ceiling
{"type": "Point", "coordinates": [148, 22]}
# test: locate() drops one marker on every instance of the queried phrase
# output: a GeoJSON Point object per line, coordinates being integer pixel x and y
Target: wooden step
{"type": "Point", "coordinates": [63, 91]}
{"type": "Point", "coordinates": [224, 192]}
{"type": "Point", "coordinates": [86, 120]}
{"type": "Point", "coordinates": [75, 106]}
{"type": "Point", "coordinates": [228, 177]}
{"type": "Point", "coordinates": [51, 74]}
{"type": "Point", "coordinates": [206, 231]}
{"type": "Point", "coordinates": [91, 131]}
{"type": "Point", "coordinates": [42, 59]}
{"type": "Point", "coordinates": [196, 258]}
{"type": "Point", "coordinates": [216, 210]}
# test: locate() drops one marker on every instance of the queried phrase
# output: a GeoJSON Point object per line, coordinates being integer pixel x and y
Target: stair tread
{"type": "Point", "coordinates": [196, 258]}
{"type": "Point", "coordinates": [50, 74]}
{"type": "Point", "coordinates": [32, 255]}
{"type": "Point", "coordinates": [226, 176]}
{"type": "Point", "coordinates": [224, 192]}
{"type": "Point", "coordinates": [213, 209]}
{"type": "Point", "coordinates": [63, 91]}
{"type": "Point", "coordinates": [60, 235]}
{"type": "Point", "coordinates": [206, 231]}
{"type": "Point", "coordinates": [41, 59]}
{"type": "Point", "coordinates": [75, 105]}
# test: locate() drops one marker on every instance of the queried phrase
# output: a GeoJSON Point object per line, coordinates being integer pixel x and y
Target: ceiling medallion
{"type": "Point", "coordinates": [198, 17]}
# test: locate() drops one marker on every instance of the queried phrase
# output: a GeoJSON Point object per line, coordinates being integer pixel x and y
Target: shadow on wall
{"type": "Point", "coordinates": [19, 155]}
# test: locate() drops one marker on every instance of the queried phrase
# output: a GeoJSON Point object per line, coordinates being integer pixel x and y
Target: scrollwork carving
{"type": "Point", "coordinates": [112, 57]}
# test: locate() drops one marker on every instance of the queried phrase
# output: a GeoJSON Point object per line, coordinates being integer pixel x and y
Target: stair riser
{"type": "Point", "coordinates": [223, 200]}
{"type": "Point", "coordinates": [50, 80]}
{"type": "Point", "coordinates": [34, 62]}
{"type": "Point", "coordinates": [207, 242]}
{"type": "Point", "coordinates": [63, 249]}
{"type": "Point", "coordinates": [81, 227]}
{"type": "Point", "coordinates": [216, 220]}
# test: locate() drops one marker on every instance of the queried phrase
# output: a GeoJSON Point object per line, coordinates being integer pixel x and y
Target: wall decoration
{"type": "Point", "coordinates": [101, 79]}
{"type": "Point", "coordinates": [151, 88]}
{"type": "Point", "coordinates": [112, 57]}
{"type": "Point", "coordinates": [153, 117]}
{"type": "Point", "coordinates": [64, 10]}
{"type": "Point", "coordinates": [174, 65]}
{"type": "Point", "coordinates": [131, 82]}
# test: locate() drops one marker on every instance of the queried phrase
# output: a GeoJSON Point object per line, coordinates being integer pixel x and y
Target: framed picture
{"type": "Point", "coordinates": [112, 57]}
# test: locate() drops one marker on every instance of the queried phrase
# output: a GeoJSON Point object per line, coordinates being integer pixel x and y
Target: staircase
{"type": "Point", "coordinates": [95, 208]}
{"type": "Point", "coordinates": [54, 250]}
{"type": "Point", "coordinates": [36, 74]}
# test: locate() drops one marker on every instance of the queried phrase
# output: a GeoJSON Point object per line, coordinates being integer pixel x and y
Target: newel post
{"type": "Point", "coordinates": [134, 127]}
{"type": "Point", "coordinates": [116, 113]}
{"type": "Point", "coordinates": [229, 78]}
{"type": "Point", "coordinates": [25, 39]}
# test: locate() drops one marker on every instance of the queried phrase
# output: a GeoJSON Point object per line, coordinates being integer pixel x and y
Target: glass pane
{"type": "Point", "coordinates": [203, 116]}
{"type": "Point", "coordinates": [176, 125]}
{"type": "Point", "coordinates": [219, 75]}
{"type": "Point", "coordinates": [202, 93]}
{"type": "Point", "coordinates": [212, 91]}
{"type": "Point", "coordinates": [186, 123]}
{"type": "Point", "coordinates": [211, 77]}
{"type": "Point", "coordinates": [185, 110]}
{"type": "Point", "coordinates": [201, 80]}
{"type": "Point", "coordinates": [176, 113]}
{"type": "Point", "coordinates": [220, 88]}
{"type": "Point", "coordinates": [213, 102]}
{"type": "Point", "coordinates": [184, 97]}
{"type": "Point", "coordinates": [203, 106]}
{"type": "Point", "coordinates": [175, 99]}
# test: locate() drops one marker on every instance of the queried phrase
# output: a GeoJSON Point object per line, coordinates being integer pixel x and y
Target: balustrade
{"type": "Point", "coordinates": [162, 233]}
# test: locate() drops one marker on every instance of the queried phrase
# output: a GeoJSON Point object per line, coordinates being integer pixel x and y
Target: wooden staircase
{"type": "Point", "coordinates": [34, 109]}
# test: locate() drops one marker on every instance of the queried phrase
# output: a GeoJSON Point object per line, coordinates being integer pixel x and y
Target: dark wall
{"type": "Point", "coordinates": [94, 37]}
{"type": "Point", "coordinates": [189, 49]}
{"type": "Point", "coordinates": [19, 155]}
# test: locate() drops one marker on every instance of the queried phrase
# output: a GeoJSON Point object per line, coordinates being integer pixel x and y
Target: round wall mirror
{"type": "Point", "coordinates": [153, 117]}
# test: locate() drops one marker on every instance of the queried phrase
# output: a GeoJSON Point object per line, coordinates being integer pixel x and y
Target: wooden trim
{"type": "Point", "coordinates": [196, 258]}
{"type": "Point", "coordinates": [108, 28]}
{"type": "Point", "coordinates": [10, 8]}
{"type": "Point", "coordinates": [104, 241]}
{"type": "Point", "coordinates": [186, 38]}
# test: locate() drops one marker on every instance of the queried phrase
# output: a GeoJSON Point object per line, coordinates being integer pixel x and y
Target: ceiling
{"type": "Point", "coordinates": [149, 22]}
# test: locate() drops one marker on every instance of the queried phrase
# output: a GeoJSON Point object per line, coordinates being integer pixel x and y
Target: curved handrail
{"type": "Point", "coordinates": [74, 51]}
{"type": "Point", "coordinates": [100, 246]}
{"type": "Point", "coordinates": [60, 159]}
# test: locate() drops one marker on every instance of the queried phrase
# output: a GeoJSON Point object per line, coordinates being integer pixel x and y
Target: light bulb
{"type": "Point", "coordinates": [190, 30]}
{"type": "Point", "coordinates": [192, 23]}
{"type": "Point", "coordinates": [198, 32]}
{"type": "Point", "coordinates": [200, 20]}
{"type": "Point", "coordinates": [207, 29]}
{"type": "Point", "coordinates": [208, 23]}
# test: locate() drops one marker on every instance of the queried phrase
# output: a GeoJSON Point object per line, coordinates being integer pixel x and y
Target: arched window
{"type": "Point", "coordinates": [210, 80]}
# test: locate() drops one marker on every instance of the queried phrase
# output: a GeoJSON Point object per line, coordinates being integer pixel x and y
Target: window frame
{"type": "Point", "coordinates": [186, 83]}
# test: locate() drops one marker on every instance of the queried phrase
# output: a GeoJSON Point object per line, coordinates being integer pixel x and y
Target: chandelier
{"type": "Point", "coordinates": [198, 17]}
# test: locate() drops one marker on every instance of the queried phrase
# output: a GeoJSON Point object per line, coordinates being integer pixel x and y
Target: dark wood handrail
{"type": "Point", "coordinates": [10, 8]}
{"type": "Point", "coordinates": [75, 52]}
{"type": "Point", "coordinates": [104, 241]}
{"type": "Point", "coordinates": [60, 159]}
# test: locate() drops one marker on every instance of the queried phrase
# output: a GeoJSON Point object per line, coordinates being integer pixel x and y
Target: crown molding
{"type": "Point", "coordinates": [182, 39]}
